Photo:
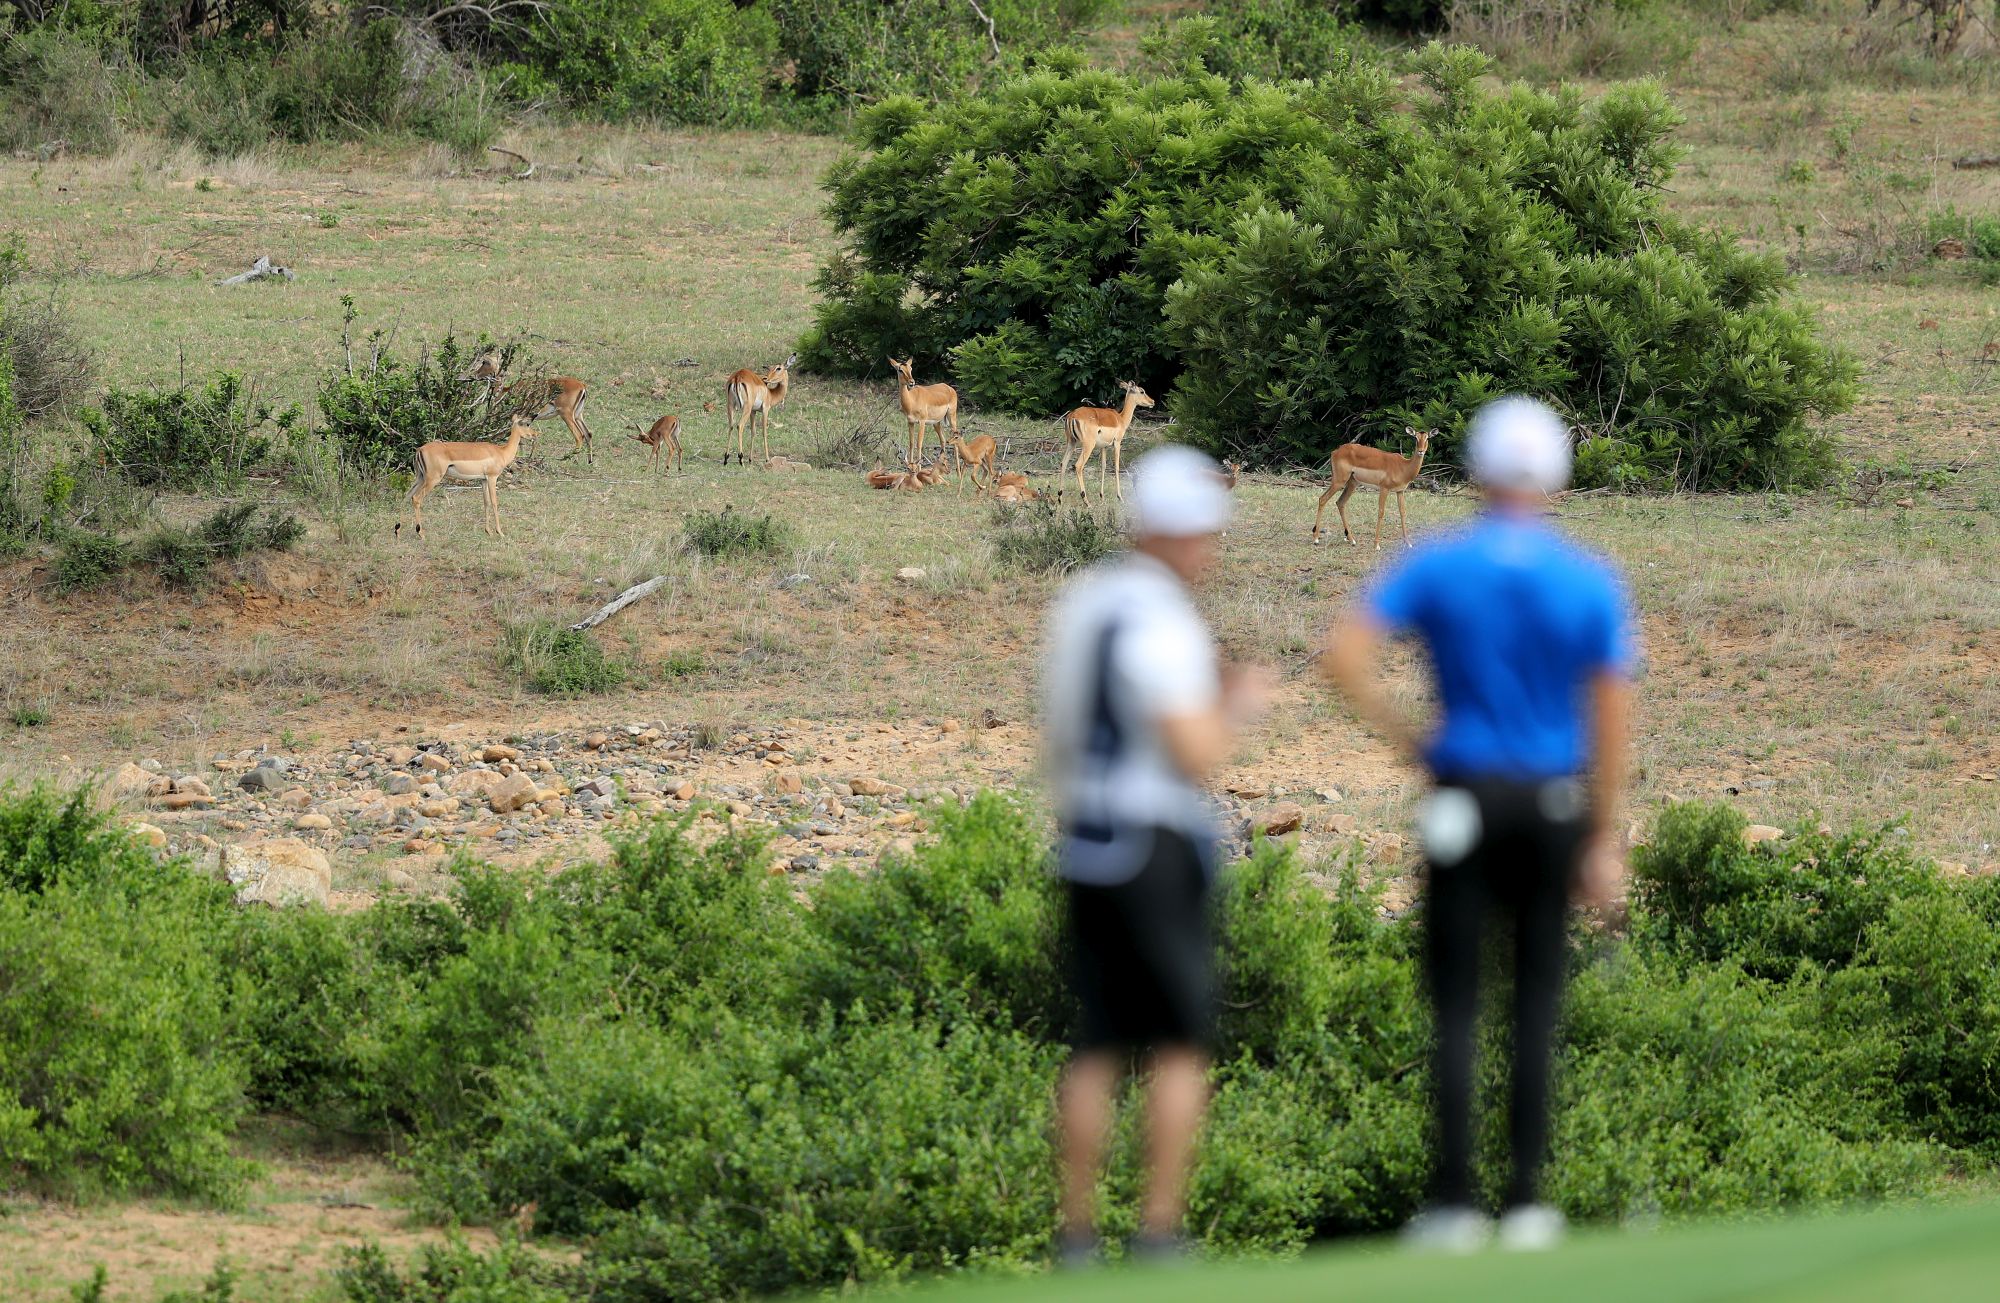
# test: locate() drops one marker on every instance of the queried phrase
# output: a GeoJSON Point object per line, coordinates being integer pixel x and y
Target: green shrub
{"type": "Point", "coordinates": [558, 660]}
{"type": "Point", "coordinates": [47, 837]}
{"type": "Point", "coordinates": [52, 365]}
{"type": "Point", "coordinates": [56, 92]}
{"type": "Point", "coordinates": [1298, 263]}
{"type": "Point", "coordinates": [727, 533]}
{"type": "Point", "coordinates": [454, 1273]}
{"type": "Point", "coordinates": [376, 410]}
{"type": "Point", "coordinates": [194, 439]}
{"type": "Point", "coordinates": [88, 560]}
{"type": "Point", "coordinates": [234, 531]}
{"type": "Point", "coordinates": [1044, 537]}
{"type": "Point", "coordinates": [178, 557]}
{"type": "Point", "coordinates": [696, 62]}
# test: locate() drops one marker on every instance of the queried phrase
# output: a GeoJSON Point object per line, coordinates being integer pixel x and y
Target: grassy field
{"type": "Point", "coordinates": [1893, 1254]}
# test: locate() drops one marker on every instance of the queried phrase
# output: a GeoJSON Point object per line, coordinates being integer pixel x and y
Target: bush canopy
{"type": "Point", "coordinates": [1303, 263]}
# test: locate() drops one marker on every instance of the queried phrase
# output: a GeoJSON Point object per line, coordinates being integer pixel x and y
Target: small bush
{"type": "Point", "coordinates": [727, 533]}
{"type": "Point", "coordinates": [187, 438]}
{"type": "Point", "coordinates": [52, 365]}
{"type": "Point", "coordinates": [555, 659]}
{"type": "Point", "coordinates": [377, 409]}
{"type": "Point", "coordinates": [234, 530]}
{"type": "Point", "coordinates": [179, 558]}
{"type": "Point", "coordinates": [88, 560]}
{"type": "Point", "coordinates": [683, 664]}
{"type": "Point", "coordinates": [28, 716]}
{"type": "Point", "coordinates": [697, 62]}
{"type": "Point", "coordinates": [1044, 537]}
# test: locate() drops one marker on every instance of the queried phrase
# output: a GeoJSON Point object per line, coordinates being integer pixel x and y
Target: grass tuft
{"type": "Point", "coordinates": [559, 661]}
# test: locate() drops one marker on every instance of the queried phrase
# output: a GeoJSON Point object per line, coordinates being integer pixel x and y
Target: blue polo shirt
{"type": "Point", "coordinates": [1518, 620]}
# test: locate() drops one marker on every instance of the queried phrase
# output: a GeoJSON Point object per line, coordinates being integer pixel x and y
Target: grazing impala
{"type": "Point", "coordinates": [1100, 430]}
{"type": "Point", "coordinates": [566, 395]}
{"type": "Point", "coordinates": [924, 405]}
{"type": "Point", "coordinates": [666, 433]}
{"type": "Point", "coordinates": [1356, 464]}
{"type": "Point", "coordinates": [439, 461]}
{"type": "Point", "coordinates": [750, 395]}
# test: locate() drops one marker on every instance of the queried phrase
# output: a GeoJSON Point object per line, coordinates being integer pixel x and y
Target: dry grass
{"type": "Point", "coordinates": [1832, 653]}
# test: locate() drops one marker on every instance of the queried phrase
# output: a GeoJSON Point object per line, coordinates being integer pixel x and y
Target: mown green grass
{"type": "Point", "coordinates": [1906, 1253]}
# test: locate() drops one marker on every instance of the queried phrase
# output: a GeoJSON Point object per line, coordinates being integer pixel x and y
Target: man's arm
{"type": "Point", "coordinates": [1353, 650]}
{"type": "Point", "coordinates": [1198, 741]}
{"type": "Point", "coordinates": [1610, 737]}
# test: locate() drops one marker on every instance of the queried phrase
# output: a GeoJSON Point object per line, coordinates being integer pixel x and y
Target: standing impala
{"type": "Point", "coordinates": [1100, 430]}
{"type": "Point", "coordinates": [924, 405]}
{"type": "Point", "coordinates": [1356, 464]}
{"type": "Point", "coordinates": [753, 395]}
{"type": "Point", "coordinates": [981, 454]}
{"type": "Point", "coordinates": [566, 395]}
{"type": "Point", "coordinates": [439, 460]}
{"type": "Point", "coordinates": [666, 433]}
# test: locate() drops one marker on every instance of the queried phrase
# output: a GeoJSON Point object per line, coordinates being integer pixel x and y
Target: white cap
{"type": "Point", "coordinates": [1178, 493]}
{"type": "Point", "coordinates": [1518, 443]}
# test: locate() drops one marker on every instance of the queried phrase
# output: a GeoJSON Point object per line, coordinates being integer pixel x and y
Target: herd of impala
{"type": "Point", "coordinates": [751, 395]}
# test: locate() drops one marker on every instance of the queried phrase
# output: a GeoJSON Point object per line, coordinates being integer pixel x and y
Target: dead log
{"type": "Point", "coordinates": [262, 269]}
{"type": "Point", "coordinates": [619, 603]}
{"type": "Point", "coordinates": [1973, 161]}
{"type": "Point", "coordinates": [527, 168]}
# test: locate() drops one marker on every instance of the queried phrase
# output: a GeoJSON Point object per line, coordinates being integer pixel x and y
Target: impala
{"type": "Point", "coordinates": [439, 461]}
{"type": "Point", "coordinates": [752, 395]}
{"type": "Point", "coordinates": [566, 395]}
{"type": "Point", "coordinates": [666, 433]}
{"type": "Point", "coordinates": [924, 405]}
{"type": "Point", "coordinates": [1356, 464]}
{"type": "Point", "coordinates": [979, 453]}
{"type": "Point", "coordinates": [1100, 430]}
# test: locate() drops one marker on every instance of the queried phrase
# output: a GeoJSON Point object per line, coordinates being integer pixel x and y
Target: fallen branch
{"type": "Point", "coordinates": [262, 269]}
{"type": "Point", "coordinates": [1972, 161]}
{"type": "Point", "coordinates": [619, 603]}
{"type": "Point", "coordinates": [527, 168]}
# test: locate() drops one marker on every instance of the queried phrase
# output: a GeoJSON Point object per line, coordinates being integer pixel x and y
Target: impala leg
{"type": "Point", "coordinates": [1340, 506]}
{"type": "Point", "coordinates": [764, 424]}
{"type": "Point", "coordinates": [1118, 468]}
{"type": "Point", "coordinates": [1332, 487]}
{"type": "Point", "coordinates": [1402, 517]}
{"type": "Point", "coordinates": [1062, 476]}
{"type": "Point", "coordinates": [583, 429]}
{"type": "Point", "coordinates": [1381, 509]}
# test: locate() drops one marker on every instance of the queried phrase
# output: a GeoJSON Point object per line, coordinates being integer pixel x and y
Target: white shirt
{"type": "Point", "coordinates": [1109, 766]}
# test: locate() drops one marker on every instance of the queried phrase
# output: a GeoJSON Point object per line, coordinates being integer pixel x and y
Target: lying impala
{"type": "Point", "coordinates": [1356, 464]}
{"type": "Point", "coordinates": [438, 461]}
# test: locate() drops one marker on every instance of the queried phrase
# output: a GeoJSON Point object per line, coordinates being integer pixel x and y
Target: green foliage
{"type": "Point", "coordinates": [1272, 39]}
{"type": "Point", "coordinates": [697, 62]}
{"type": "Point", "coordinates": [453, 1273]}
{"type": "Point", "coordinates": [88, 560]}
{"type": "Point", "coordinates": [178, 557]}
{"type": "Point", "coordinates": [558, 660]}
{"type": "Point", "coordinates": [116, 1068]}
{"type": "Point", "coordinates": [52, 365]}
{"type": "Point", "coordinates": [727, 533]}
{"type": "Point", "coordinates": [56, 91]}
{"type": "Point", "coordinates": [1304, 263]}
{"type": "Point", "coordinates": [234, 531]}
{"type": "Point", "coordinates": [377, 409]}
{"type": "Point", "coordinates": [1045, 537]}
{"type": "Point", "coordinates": [194, 439]}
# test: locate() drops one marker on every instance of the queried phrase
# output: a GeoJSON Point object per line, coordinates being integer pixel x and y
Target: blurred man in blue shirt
{"type": "Point", "coordinates": [1530, 642]}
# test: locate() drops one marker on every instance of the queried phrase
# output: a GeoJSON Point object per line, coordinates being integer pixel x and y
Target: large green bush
{"type": "Point", "coordinates": [196, 438]}
{"type": "Point", "coordinates": [1304, 263]}
{"type": "Point", "coordinates": [700, 62]}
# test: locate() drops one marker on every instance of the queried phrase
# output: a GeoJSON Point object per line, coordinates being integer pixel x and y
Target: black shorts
{"type": "Point", "coordinates": [1142, 953]}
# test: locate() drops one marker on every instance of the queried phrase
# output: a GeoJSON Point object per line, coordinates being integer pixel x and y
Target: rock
{"type": "Point", "coordinates": [285, 871]}
{"type": "Point", "coordinates": [551, 807]}
{"type": "Point", "coordinates": [398, 879]}
{"type": "Point", "coordinates": [399, 757]}
{"type": "Point", "coordinates": [1284, 817]}
{"type": "Point", "coordinates": [910, 574]}
{"type": "Point", "coordinates": [1762, 832]}
{"type": "Point", "coordinates": [186, 801]}
{"type": "Point", "coordinates": [312, 823]}
{"type": "Point", "coordinates": [1344, 825]}
{"type": "Point", "coordinates": [1388, 849]}
{"type": "Point", "coordinates": [597, 741]}
{"type": "Point", "coordinates": [151, 765]}
{"type": "Point", "coordinates": [473, 782]}
{"type": "Point", "coordinates": [685, 792]}
{"type": "Point", "coordinates": [599, 786]}
{"type": "Point", "coordinates": [148, 835]}
{"type": "Point", "coordinates": [1328, 794]}
{"type": "Point", "coordinates": [1906, 503]}
{"type": "Point", "coordinates": [438, 808]}
{"type": "Point", "coordinates": [790, 782]}
{"type": "Point", "coordinates": [296, 799]}
{"type": "Point", "coordinates": [793, 581]}
{"type": "Point", "coordinates": [262, 780]}
{"type": "Point", "coordinates": [902, 819]}
{"type": "Point", "coordinates": [497, 752]}
{"type": "Point", "coordinates": [189, 785]}
{"type": "Point", "coordinates": [399, 784]}
{"type": "Point", "coordinates": [131, 782]}
{"type": "Point", "coordinates": [863, 785]}
{"type": "Point", "coordinates": [511, 794]}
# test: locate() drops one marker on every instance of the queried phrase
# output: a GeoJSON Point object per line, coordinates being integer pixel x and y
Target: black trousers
{"type": "Point", "coordinates": [1507, 850]}
{"type": "Point", "coordinates": [1141, 951]}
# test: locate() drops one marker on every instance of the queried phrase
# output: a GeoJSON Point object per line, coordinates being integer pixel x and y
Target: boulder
{"type": "Point", "coordinates": [499, 751]}
{"type": "Point", "coordinates": [473, 782]}
{"type": "Point", "coordinates": [147, 835]}
{"type": "Point", "coordinates": [910, 574]}
{"type": "Point", "coordinates": [399, 784]}
{"type": "Point", "coordinates": [789, 782]}
{"type": "Point", "coordinates": [285, 871]}
{"type": "Point", "coordinates": [434, 762]}
{"type": "Point", "coordinates": [131, 782]}
{"type": "Point", "coordinates": [1762, 832]}
{"type": "Point", "coordinates": [863, 785]}
{"type": "Point", "coordinates": [189, 785]}
{"type": "Point", "coordinates": [1284, 817]}
{"type": "Point", "coordinates": [312, 823]}
{"type": "Point", "coordinates": [511, 794]}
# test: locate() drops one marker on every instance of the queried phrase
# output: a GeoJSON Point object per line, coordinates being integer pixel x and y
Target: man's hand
{"type": "Point", "coordinates": [1246, 692]}
{"type": "Point", "coordinates": [1353, 652]}
{"type": "Point", "coordinates": [1600, 875]}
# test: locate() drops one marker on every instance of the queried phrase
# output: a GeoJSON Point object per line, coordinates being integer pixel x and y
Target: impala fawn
{"type": "Point", "coordinates": [980, 453]}
{"type": "Point", "coordinates": [1390, 473]}
{"type": "Point", "coordinates": [666, 433]}
{"type": "Point", "coordinates": [924, 405]}
{"type": "Point", "coordinates": [1090, 429]}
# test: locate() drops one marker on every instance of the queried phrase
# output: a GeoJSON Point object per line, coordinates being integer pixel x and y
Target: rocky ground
{"type": "Point", "coordinates": [378, 815]}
